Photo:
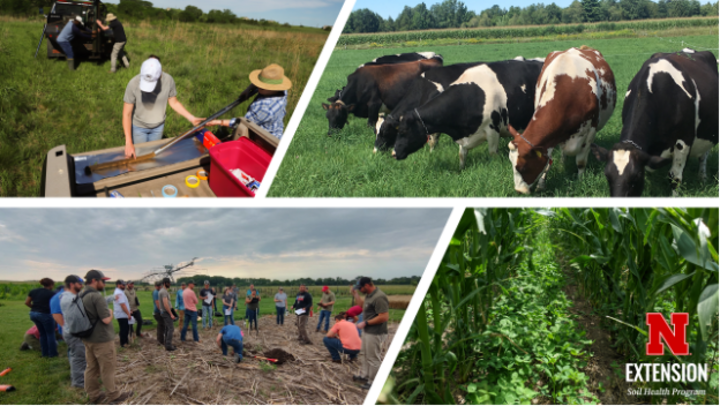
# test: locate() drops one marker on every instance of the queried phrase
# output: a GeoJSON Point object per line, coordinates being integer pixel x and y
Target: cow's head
{"type": "Point", "coordinates": [528, 161]}
{"type": "Point", "coordinates": [411, 136]}
{"type": "Point", "coordinates": [337, 115]}
{"type": "Point", "coordinates": [625, 168]}
{"type": "Point", "coordinates": [386, 135]}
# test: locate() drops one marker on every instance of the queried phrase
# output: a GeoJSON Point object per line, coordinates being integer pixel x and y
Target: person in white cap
{"type": "Point", "coordinates": [72, 28]}
{"type": "Point", "coordinates": [146, 99]}
{"type": "Point", "coordinates": [118, 32]}
{"type": "Point", "coordinates": [268, 108]}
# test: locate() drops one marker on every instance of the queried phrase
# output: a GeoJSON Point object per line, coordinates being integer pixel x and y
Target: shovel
{"type": "Point", "coordinates": [124, 162]}
{"type": "Point", "coordinates": [273, 360]}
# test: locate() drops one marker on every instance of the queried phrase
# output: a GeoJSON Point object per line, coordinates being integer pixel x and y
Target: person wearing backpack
{"type": "Point", "coordinates": [72, 320]}
{"type": "Point", "coordinates": [100, 344]}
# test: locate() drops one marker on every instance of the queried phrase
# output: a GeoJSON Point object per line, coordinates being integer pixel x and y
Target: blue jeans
{"type": "Point", "coordinates": [190, 317]}
{"type": "Point", "coordinates": [231, 318]}
{"type": "Point", "coordinates": [207, 315]}
{"type": "Point", "coordinates": [46, 327]}
{"type": "Point", "coordinates": [334, 345]}
{"type": "Point", "coordinates": [251, 316]}
{"type": "Point", "coordinates": [324, 315]}
{"type": "Point", "coordinates": [360, 320]}
{"type": "Point", "coordinates": [237, 345]}
{"type": "Point", "coordinates": [67, 49]}
{"type": "Point", "coordinates": [280, 315]}
{"type": "Point", "coordinates": [141, 135]}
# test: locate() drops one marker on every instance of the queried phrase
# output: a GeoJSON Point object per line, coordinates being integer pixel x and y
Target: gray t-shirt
{"type": "Point", "coordinates": [376, 303]}
{"type": "Point", "coordinates": [163, 294]}
{"type": "Point", "coordinates": [150, 108]}
{"type": "Point", "coordinates": [280, 296]}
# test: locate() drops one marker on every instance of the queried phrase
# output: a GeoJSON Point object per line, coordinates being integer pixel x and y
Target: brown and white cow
{"type": "Point", "coordinates": [574, 98]}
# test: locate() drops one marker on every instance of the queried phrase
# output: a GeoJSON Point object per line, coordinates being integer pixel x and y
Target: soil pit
{"type": "Point", "coordinates": [198, 373]}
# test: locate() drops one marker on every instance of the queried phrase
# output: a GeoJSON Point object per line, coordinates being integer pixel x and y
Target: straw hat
{"type": "Point", "coordinates": [110, 17]}
{"type": "Point", "coordinates": [272, 77]}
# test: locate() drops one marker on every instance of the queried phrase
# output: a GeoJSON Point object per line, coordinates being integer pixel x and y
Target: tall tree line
{"type": "Point", "coordinates": [455, 14]}
{"type": "Point", "coordinates": [224, 281]}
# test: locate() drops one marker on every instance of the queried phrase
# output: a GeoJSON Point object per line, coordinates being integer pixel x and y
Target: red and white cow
{"type": "Point", "coordinates": [574, 98]}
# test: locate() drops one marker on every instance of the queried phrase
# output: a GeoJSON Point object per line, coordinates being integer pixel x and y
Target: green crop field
{"type": "Point", "coordinates": [47, 381]}
{"type": "Point", "coordinates": [344, 165]}
{"type": "Point", "coordinates": [43, 104]}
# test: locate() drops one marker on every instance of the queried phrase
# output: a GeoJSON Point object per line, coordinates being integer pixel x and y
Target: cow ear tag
{"type": "Point", "coordinates": [539, 154]}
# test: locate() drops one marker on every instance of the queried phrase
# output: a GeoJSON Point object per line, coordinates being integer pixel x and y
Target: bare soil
{"type": "Point", "coordinates": [198, 373]}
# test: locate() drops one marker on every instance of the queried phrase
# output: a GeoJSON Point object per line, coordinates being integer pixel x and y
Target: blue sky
{"type": "Point", "coordinates": [245, 243]}
{"type": "Point", "coordinates": [313, 13]}
{"type": "Point", "coordinates": [393, 8]}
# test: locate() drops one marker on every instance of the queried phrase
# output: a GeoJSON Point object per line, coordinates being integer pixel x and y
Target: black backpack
{"type": "Point", "coordinates": [82, 327]}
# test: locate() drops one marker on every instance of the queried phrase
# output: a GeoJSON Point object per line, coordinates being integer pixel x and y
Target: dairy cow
{"type": "Point", "coordinates": [477, 106]}
{"type": "Point", "coordinates": [372, 86]}
{"type": "Point", "coordinates": [670, 113]}
{"type": "Point", "coordinates": [574, 98]}
{"type": "Point", "coordinates": [517, 77]}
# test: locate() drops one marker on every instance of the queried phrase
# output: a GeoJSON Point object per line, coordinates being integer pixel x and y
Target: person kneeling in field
{"type": "Point", "coordinates": [67, 35]}
{"type": "Point", "coordinates": [268, 109]}
{"type": "Point", "coordinates": [231, 336]}
{"type": "Point", "coordinates": [343, 338]}
{"type": "Point", "coordinates": [146, 99]}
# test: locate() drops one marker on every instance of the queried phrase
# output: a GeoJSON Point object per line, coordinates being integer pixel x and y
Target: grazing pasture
{"type": "Point", "coordinates": [344, 165]}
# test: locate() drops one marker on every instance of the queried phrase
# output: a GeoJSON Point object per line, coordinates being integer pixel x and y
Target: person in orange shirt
{"type": "Point", "coordinates": [343, 338]}
{"type": "Point", "coordinates": [190, 301]}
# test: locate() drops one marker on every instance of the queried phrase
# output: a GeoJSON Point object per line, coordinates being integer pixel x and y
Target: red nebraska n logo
{"type": "Point", "coordinates": [676, 341]}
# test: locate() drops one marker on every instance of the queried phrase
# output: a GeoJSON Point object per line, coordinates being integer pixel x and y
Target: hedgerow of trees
{"type": "Point", "coordinates": [223, 281]}
{"type": "Point", "coordinates": [455, 14]}
{"type": "Point", "coordinates": [137, 10]}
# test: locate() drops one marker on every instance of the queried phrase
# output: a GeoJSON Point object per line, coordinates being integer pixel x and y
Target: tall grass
{"type": "Point", "coordinates": [43, 105]}
{"type": "Point", "coordinates": [629, 262]}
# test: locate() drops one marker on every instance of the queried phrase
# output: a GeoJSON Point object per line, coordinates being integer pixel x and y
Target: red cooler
{"type": "Point", "coordinates": [242, 154]}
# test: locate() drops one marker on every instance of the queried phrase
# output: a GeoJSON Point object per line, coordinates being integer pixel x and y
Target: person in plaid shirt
{"type": "Point", "coordinates": [268, 108]}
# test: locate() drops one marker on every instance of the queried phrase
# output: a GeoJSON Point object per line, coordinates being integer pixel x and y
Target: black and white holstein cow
{"type": "Point", "coordinates": [670, 113]}
{"type": "Point", "coordinates": [574, 98]}
{"type": "Point", "coordinates": [434, 82]}
{"type": "Point", "coordinates": [476, 107]}
{"type": "Point", "coordinates": [373, 86]}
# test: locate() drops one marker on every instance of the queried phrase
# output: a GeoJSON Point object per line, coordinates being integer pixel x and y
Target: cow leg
{"type": "Point", "coordinates": [680, 156]}
{"type": "Point", "coordinates": [581, 158]}
{"type": "Point", "coordinates": [432, 140]}
{"type": "Point", "coordinates": [373, 115]}
{"type": "Point", "coordinates": [703, 166]}
{"type": "Point", "coordinates": [493, 139]}
{"type": "Point", "coordinates": [462, 154]}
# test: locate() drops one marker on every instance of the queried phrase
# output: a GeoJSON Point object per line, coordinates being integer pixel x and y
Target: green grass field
{"type": "Point", "coordinates": [344, 165]}
{"type": "Point", "coordinates": [43, 104]}
{"type": "Point", "coordinates": [47, 381]}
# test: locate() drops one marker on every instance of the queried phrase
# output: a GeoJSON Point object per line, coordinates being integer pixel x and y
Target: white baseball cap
{"type": "Point", "coordinates": [78, 18]}
{"type": "Point", "coordinates": [150, 73]}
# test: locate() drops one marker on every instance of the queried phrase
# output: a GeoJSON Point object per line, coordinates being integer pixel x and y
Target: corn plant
{"type": "Point", "coordinates": [633, 261]}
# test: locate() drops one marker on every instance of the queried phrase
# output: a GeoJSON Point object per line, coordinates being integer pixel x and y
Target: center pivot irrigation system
{"type": "Point", "coordinates": [170, 271]}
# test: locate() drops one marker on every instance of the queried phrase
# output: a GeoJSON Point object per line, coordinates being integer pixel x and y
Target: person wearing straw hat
{"type": "Point", "coordinates": [146, 99]}
{"type": "Point", "coordinates": [118, 33]}
{"type": "Point", "coordinates": [268, 108]}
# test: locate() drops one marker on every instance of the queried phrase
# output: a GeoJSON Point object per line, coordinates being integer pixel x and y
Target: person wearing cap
{"type": "Point", "coordinates": [303, 305]}
{"type": "Point", "coordinates": [190, 300]}
{"type": "Point", "coordinates": [72, 29]}
{"type": "Point", "coordinates": [131, 294]}
{"type": "Point", "coordinates": [38, 300]}
{"type": "Point", "coordinates": [207, 296]}
{"type": "Point", "coordinates": [326, 304]}
{"type": "Point", "coordinates": [376, 312]}
{"type": "Point", "coordinates": [180, 305]}
{"type": "Point", "coordinates": [76, 348]}
{"type": "Point", "coordinates": [280, 306]}
{"type": "Point", "coordinates": [167, 318]}
{"type": "Point", "coordinates": [100, 345]}
{"type": "Point", "coordinates": [146, 99]}
{"type": "Point", "coordinates": [268, 108]}
{"type": "Point", "coordinates": [342, 338]}
{"type": "Point", "coordinates": [354, 314]}
{"type": "Point", "coordinates": [160, 331]}
{"type": "Point", "coordinates": [118, 32]}
{"type": "Point", "coordinates": [122, 312]}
